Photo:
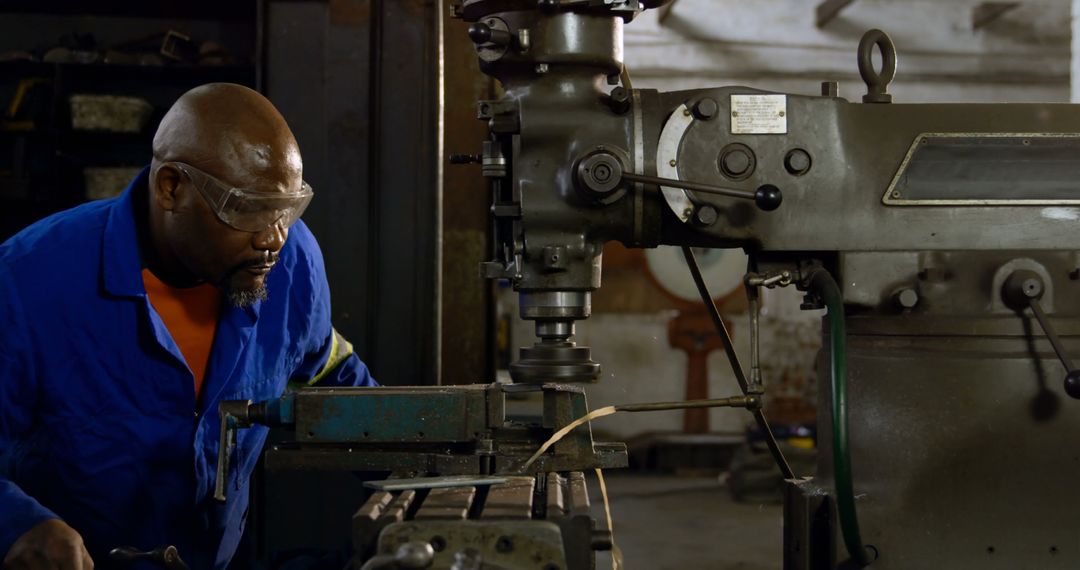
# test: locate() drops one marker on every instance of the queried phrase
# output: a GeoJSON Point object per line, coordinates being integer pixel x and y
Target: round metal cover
{"type": "Point", "coordinates": [723, 270]}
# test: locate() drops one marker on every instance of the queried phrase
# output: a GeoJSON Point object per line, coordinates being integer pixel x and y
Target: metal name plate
{"type": "Point", "coordinates": [987, 169]}
{"type": "Point", "coordinates": [758, 114]}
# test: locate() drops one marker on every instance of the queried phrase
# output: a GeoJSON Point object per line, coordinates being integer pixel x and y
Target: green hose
{"type": "Point", "coordinates": [822, 283]}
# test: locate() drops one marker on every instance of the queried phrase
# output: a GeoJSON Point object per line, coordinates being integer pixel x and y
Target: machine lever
{"type": "Point", "coordinates": [482, 34]}
{"type": "Point", "coordinates": [230, 414]}
{"type": "Point", "coordinates": [1024, 288]}
{"type": "Point", "coordinates": [167, 556]}
{"type": "Point", "coordinates": [767, 197]}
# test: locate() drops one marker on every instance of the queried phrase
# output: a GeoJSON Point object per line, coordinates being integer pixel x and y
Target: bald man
{"type": "Point", "coordinates": [124, 322]}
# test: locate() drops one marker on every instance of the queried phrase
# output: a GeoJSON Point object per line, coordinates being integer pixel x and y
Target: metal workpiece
{"type": "Point", "coordinates": [523, 523]}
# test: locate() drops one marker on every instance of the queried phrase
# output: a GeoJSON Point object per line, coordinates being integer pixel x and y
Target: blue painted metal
{"type": "Point", "coordinates": [280, 412]}
{"type": "Point", "coordinates": [428, 415]}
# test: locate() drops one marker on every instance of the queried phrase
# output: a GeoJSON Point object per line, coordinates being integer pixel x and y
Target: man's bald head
{"type": "Point", "coordinates": [232, 132]}
{"type": "Point", "coordinates": [235, 135]}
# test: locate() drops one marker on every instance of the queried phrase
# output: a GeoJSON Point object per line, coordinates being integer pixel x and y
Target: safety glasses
{"type": "Point", "coordinates": [247, 210]}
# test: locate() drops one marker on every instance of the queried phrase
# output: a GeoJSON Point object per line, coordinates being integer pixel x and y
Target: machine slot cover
{"type": "Point", "coordinates": [988, 169]}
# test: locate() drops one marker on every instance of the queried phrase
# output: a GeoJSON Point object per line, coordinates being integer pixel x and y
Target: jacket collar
{"type": "Point", "coordinates": [121, 267]}
{"type": "Point", "coordinates": [121, 264]}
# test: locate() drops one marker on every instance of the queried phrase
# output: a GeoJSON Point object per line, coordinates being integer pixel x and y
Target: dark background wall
{"type": "Point", "coordinates": [358, 80]}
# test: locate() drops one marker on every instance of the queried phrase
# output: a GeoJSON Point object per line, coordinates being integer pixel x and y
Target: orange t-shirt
{"type": "Point", "coordinates": [191, 315]}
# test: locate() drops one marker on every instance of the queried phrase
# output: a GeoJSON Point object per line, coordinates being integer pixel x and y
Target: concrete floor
{"type": "Point", "coordinates": [679, 523]}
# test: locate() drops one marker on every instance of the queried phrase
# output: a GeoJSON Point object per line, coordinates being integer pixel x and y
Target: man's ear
{"type": "Point", "coordinates": [165, 187]}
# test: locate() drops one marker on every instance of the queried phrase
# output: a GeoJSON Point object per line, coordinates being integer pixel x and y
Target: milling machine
{"type": "Point", "coordinates": [939, 237]}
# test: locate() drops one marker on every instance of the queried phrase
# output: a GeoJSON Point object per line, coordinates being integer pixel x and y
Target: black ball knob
{"type": "Point", "coordinates": [768, 197]}
{"type": "Point", "coordinates": [1072, 384]}
{"type": "Point", "coordinates": [480, 33]}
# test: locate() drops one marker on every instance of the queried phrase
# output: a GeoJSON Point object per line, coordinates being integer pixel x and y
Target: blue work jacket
{"type": "Point", "coordinates": [99, 423]}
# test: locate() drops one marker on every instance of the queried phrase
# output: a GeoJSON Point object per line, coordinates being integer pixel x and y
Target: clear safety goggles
{"type": "Point", "coordinates": [247, 210]}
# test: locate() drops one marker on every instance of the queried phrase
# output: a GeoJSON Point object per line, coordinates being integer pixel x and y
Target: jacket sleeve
{"type": "Point", "coordinates": [334, 364]}
{"type": "Point", "coordinates": [329, 359]}
{"type": "Point", "coordinates": [18, 398]}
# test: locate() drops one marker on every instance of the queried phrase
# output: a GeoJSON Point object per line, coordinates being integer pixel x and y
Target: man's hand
{"type": "Point", "coordinates": [51, 545]}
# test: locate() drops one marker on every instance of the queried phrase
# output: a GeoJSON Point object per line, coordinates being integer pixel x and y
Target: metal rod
{"type": "Point", "coordinates": [694, 186]}
{"type": "Point", "coordinates": [733, 402]}
{"type": "Point", "coordinates": [1051, 335]}
{"type": "Point", "coordinates": [733, 359]}
{"type": "Point", "coordinates": [755, 383]}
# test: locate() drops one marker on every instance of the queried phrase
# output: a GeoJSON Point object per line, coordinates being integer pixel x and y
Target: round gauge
{"type": "Point", "coordinates": [723, 270]}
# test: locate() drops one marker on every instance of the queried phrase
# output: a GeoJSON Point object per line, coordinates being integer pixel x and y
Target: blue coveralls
{"type": "Point", "coordinates": [99, 424]}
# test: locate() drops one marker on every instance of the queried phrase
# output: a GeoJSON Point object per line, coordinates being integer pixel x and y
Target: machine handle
{"type": "Point", "coordinates": [767, 197]}
{"type": "Point", "coordinates": [482, 34]}
{"type": "Point", "coordinates": [167, 556]}
{"type": "Point", "coordinates": [1024, 288]}
{"type": "Point", "coordinates": [226, 446]}
{"type": "Point", "coordinates": [599, 175]}
{"type": "Point", "coordinates": [232, 415]}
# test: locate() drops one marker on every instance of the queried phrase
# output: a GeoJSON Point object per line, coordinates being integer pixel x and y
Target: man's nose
{"type": "Point", "coordinates": [272, 238]}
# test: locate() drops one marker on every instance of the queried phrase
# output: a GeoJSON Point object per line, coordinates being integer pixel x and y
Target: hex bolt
{"type": "Point", "coordinates": [906, 298]}
{"type": "Point", "coordinates": [620, 100]}
{"type": "Point", "coordinates": [705, 216]}
{"type": "Point", "coordinates": [706, 109]}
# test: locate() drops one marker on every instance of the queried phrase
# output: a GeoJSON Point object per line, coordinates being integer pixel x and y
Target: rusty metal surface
{"type": "Point", "coordinates": [338, 458]}
{"type": "Point", "coordinates": [435, 415]}
{"type": "Point", "coordinates": [578, 493]}
{"type": "Point", "coordinates": [555, 487]}
{"type": "Point", "coordinates": [468, 304]}
{"type": "Point", "coordinates": [511, 500]}
{"type": "Point", "coordinates": [447, 504]}
{"type": "Point", "coordinates": [451, 430]}
{"type": "Point", "coordinates": [498, 526]}
{"type": "Point", "coordinates": [509, 545]}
